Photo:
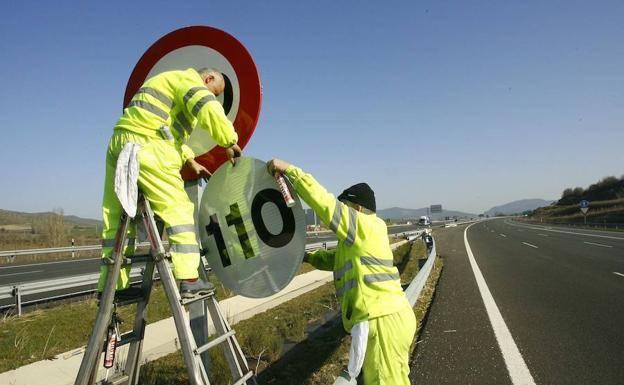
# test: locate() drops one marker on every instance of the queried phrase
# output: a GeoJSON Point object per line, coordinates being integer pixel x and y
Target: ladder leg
{"type": "Point", "coordinates": [232, 351]}
{"type": "Point", "coordinates": [187, 343]}
{"type": "Point", "coordinates": [96, 341]}
{"type": "Point", "coordinates": [133, 363]}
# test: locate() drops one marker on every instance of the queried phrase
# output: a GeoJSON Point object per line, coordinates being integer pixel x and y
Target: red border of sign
{"type": "Point", "coordinates": [240, 59]}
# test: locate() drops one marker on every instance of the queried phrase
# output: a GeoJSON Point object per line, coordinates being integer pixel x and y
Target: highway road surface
{"type": "Point", "coordinates": [525, 304]}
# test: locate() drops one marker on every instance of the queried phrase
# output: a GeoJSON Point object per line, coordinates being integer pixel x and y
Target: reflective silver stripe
{"type": "Point", "coordinates": [343, 270]}
{"type": "Point", "coordinates": [177, 248]}
{"type": "Point", "coordinates": [350, 284]}
{"type": "Point", "coordinates": [370, 278]}
{"type": "Point", "coordinates": [149, 107]}
{"type": "Point", "coordinates": [352, 227]}
{"type": "Point", "coordinates": [180, 117]}
{"type": "Point", "coordinates": [166, 100]}
{"type": "Point", "coordinates": [190, 228]}
{"type": "Point", "coordinates": [189, 94]}
{"type": "Point", "coordinates": [201, 102]}
{"type": "Point", "coordinates": [108, 243]}
{"type": "Point", "coordinates": [368, 260]}
{"type": "Point", "coordinates": [178, 127]}
{"type": "Point", "coordinates": [336, 217]}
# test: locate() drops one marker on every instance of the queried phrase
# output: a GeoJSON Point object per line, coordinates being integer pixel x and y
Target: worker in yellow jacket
{"type": "Point", "coordinates": [158, 119]}
{"type": "Point", "coordinates": [374, 308]}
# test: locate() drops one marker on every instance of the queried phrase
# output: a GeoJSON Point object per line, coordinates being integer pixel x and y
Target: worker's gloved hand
{"type": "Point", "coordinates": [198, 169]}
{"type": "Point", "coordinates": [277, 166]}
{"type": "Point", "coordinates": [233, 152]}
{"type": "Point", "coordinates": [345, 379]}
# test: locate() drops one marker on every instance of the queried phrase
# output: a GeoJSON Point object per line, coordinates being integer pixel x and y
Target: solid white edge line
{"type": "Point", "coordinates": [528, 244]}
{"type": "Point", "coordinates": [535, 227]}
{"type": "Point", "coordinates": [620, 274]}
{"type": "Point", "coordinates": [503, 235]}
{"type": "Point", "coordinates": [597, 244]}
{"type": "Point", "coordinates": [517, 368]}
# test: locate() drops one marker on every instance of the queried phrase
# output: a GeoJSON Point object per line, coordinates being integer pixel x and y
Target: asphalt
{"type": "Point", "coordinates": [457, 344]}
{"type": "Point", "coordinates": [558, 290]}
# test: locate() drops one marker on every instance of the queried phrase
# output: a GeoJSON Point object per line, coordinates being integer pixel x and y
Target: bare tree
{"type": "Point", "coordinates": [54, 228]}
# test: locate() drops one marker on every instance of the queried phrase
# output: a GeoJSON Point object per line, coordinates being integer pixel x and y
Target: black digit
{"type": "Point", "coordinates": [288, 218]}
{"type": "Point", "coordinates": [235, 219]}
{"type": "Point", "coordinates": [213, 228]}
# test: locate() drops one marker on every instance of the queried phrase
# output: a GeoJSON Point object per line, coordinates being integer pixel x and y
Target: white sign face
{"type": "Point", "coordinates": [584, 210]}
{"type": "Point", "coordinates": [252, 240]}
{"type": "Point", "coordinates": [197, 56]}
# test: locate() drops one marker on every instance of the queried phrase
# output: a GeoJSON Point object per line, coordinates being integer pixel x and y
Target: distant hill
{"type": "Point", "coordinates": [403, 213]}
{"type": "Point", "coordinates": [517, 207]}
{"type": "Point", "coordinates": [19, 218]}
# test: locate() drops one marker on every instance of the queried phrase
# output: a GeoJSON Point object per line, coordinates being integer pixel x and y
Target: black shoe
{"type": "Point", "coordinates": [190, 289]}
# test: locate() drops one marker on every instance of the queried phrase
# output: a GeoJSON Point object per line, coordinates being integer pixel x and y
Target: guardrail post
{"type": "Point", "coordinates": [73, 255]}
{"type": "Point", "coordinates": [325, 245]}
{"type": "Point", "coordinates": [18, 300]}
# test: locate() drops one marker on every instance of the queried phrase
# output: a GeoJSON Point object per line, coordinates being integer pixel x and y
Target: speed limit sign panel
{"type": "Point", "coordinates": [198, 47]}
{"type": "Point", "coordinates": [253, 241]}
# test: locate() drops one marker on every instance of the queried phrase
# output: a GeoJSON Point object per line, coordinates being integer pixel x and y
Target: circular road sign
{"type": "Point", "coordinates": [252, 240]}
{"type": "Point", "coordinates": [584, 204]}
{"type": "Point", "coordinates": [202, 46]}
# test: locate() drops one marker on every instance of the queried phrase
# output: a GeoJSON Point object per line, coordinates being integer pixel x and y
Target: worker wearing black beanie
{"type": "Point", "coordinates": [374, 308]}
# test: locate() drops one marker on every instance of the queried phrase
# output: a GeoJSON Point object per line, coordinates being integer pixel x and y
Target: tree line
{"type": "Point", "coordinates": [607, 188]}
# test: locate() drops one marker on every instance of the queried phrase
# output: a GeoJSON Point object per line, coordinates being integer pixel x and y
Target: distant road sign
{"type": "Point", "coordinates": [253, 241]}
{"type": "Point", "coordinates": [202, 46]}
{"type": "Point", "coordinates": [435, 208]}
{"type": "Point", "coordinates": [584, 204]}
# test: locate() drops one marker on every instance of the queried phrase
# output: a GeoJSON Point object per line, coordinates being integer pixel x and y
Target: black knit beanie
{"type": "Point", "coordinates": [360, 194]}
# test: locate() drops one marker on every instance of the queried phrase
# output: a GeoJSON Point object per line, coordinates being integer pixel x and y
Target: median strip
{"type": "Point", "coordinates": [528, 244]}
{"type": "Point", "coordinates": [620, 274]}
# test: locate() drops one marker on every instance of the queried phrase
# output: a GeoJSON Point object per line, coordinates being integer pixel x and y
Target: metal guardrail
{"type": "Point", "coordinates": [84, 284]}
{"type": "Point", "coordinates": [418, 283]}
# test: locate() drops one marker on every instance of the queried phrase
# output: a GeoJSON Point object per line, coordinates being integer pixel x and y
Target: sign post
{"type": "Point", "coordinates": [584, 209]}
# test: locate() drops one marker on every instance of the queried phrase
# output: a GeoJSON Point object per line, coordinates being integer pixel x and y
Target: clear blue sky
{"type": "Point", "coordinates": [467, 104]}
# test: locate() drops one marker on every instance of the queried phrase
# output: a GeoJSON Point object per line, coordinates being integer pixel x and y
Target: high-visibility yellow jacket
{"type": "Point", "coordinates": [367, 284]}
{"type": "Point", "coordinates": [180, 100]}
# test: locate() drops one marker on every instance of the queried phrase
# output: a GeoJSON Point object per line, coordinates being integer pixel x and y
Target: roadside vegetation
{"type": "Point", "coordinates": [606, 207]}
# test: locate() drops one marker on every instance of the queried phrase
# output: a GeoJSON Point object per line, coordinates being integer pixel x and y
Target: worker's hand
{"type": "Point", "coordinates": [198, 169]}
{"type": "Point", "coordinates": [233, 153]}
{"type": "Point", "coordinates": [277, 166]}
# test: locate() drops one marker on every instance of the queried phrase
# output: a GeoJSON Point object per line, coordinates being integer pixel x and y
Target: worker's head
{"type": "Point", "coordinates": [359, 196]}
{"type": "Point", "coordinates": [213, 80]}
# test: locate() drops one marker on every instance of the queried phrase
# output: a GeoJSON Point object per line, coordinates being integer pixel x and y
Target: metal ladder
{"type": "Point", "coordinates": [110, 299]}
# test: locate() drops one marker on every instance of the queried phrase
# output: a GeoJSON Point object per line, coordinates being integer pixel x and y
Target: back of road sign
{"type": "Point", "coordinates": [253, 242]}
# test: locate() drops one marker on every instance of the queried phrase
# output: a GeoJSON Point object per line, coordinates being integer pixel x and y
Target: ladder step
{"type": "Point", "coordinates": [127, 338]}
{"type": "Point", "coordinates": [214, 342]}
{"type": "Point", "coordinates": [199, 297]}
{"type": "Point", "coordinates": [138, 258]}
{"type": "Point", "coordinates": [244, 378]}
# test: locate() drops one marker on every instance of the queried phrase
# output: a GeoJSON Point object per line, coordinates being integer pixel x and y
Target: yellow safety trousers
{"type": "Point", "coordinates": [387, 353]}
{"type": "Point", "coordinates": [160, 182]}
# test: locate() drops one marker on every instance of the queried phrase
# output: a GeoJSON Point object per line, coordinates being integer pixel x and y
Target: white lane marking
{"type": "Point", "coordinates": [517, 368]}
{"type": "Point", "coordinates": [23, 272]}
{"type": "Point", "coordinates": [565, 232]}
{"type": "Point", "coordinates": [542, 235]}
{"type": "Point", "coordinates": [597, 244]}
{"type": "Point", "coordinates": [503, 235]}
{"type": "Point", "coordinates": [47, 263]}
{"type": "Point", "coordinates": [620, 274]}
{"type": "Point", "coordinates": [528, 244]}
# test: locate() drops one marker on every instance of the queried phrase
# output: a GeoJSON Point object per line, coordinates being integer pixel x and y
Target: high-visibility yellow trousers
{"type": "Point", "coordinates": [161, 184]}
{"type": "Point", "coordinates": [387, 353]}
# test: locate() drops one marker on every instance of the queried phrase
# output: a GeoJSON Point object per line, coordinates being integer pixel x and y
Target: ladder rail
{"type": "Point", "coordinates": [95, 345]}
